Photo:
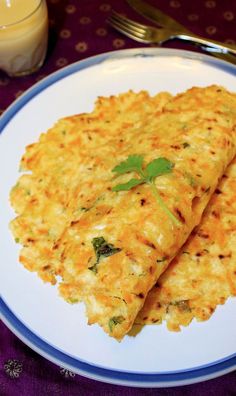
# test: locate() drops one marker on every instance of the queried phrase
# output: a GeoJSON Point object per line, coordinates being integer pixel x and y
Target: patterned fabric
{"type": "Point", "coordinates": [78, 30]}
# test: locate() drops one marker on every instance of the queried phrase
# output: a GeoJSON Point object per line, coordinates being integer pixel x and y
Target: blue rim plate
{"type": "Point", "coordinates": [94, 371]}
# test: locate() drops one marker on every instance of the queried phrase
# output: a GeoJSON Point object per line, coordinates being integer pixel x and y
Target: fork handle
{"type": "Point", "coordinates": [215, 45]}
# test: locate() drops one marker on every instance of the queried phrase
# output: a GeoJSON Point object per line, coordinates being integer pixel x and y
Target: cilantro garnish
{"type": "Point", "coordinates": [158, 167]}
{"type": "Point", "coordinates": [134, 163]}
{"type": "Point", "coordinates": [102, 249]}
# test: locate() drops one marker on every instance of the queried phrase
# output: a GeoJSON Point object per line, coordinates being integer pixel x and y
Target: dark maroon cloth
{"type": "Point", "coordinates": [78, 30]}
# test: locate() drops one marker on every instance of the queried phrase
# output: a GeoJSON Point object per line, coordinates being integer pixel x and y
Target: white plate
{"type": "Point", "coordinates": [33, 310]}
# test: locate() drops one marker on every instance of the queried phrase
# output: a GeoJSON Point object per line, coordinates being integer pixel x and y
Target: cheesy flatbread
{"type": "Point", "coordinates": [125, 186]}
{"type": "Point", "coordinates": [64, 166]}
{"type": "Point", "coordinates": [203, 275]}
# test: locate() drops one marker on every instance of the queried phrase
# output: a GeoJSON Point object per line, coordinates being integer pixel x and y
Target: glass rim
{"type": "Point", "coordinates": [24, 18]}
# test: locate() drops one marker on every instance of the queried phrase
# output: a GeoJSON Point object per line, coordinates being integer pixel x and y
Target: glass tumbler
{"type": "Point", "coordinates": [23, 36]}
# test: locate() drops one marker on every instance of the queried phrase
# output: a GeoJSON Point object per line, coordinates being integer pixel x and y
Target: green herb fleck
{"type": "Point", "coordinates": [115, 321]}
{"type": "Point", "coordinates": [191, 180]}
{"type": "Point", "coordinates": [161, 260]}
{"type": "Point", "coordinates": [183, 305]}
{"type": "Point", "coordinates": [83, 209]}
{"type": "Point", "coordinates": [158, 167]}
{"type": "Point", "coordinates": [102, 249]}
{"type": "Point", "coordinates": [186, 144]}
{"type": "Point", "coordinates": [17, 240]}
{"type": "Point", "coordinates": [94, 268]}
{"type": "Point", "coordinates": [72, 300]}
{"type": "Point", "coordinates": [17, 185]}
{"type": "Point", "coordinates": [86, 209]}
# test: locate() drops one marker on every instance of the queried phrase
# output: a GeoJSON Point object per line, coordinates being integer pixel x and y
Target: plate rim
{"type": "Point", "coordinates": [118, 377]}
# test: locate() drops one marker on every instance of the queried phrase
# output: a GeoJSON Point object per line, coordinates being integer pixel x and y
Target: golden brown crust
{"type": "Point", "coordinates": [67, 201]}
{"type": "Point", "coordinates": [203, 275]}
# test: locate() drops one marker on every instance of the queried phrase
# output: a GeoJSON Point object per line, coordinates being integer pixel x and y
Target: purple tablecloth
{"type": "Point", "coordinates": [78, 30]}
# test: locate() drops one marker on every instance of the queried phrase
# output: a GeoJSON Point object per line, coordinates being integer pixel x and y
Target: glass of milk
{"type": "Point", "coordinates": [23, 36]}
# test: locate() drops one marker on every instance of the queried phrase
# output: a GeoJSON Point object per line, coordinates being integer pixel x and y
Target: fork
{"type": "Point", "coordinates": [148, 34]}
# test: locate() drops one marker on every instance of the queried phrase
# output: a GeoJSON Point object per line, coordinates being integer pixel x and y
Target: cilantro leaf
{"type": "Point", "coordinates": [102, 249]}
{"type": "Point", "coordinates": [133, 163]}
{"type": "Point", "coordinates": [157, 167]}
{"type": "Point", "coordinates": [127, 186]}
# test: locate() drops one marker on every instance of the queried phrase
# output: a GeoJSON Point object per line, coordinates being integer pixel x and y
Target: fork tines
{"type": "Point", "coordinates": [126, 26]}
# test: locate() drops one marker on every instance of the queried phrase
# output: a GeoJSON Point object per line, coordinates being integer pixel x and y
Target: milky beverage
{"type": "Point", "coordinates": [23, 35]}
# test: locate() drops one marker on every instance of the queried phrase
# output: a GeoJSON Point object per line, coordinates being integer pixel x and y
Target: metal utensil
{"type": "Point", "coordinates": [157, 16]}
{"type": "Point", "coordinates": [160, 18]}
{"type": "Point", "coordinates": [148, 34]}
